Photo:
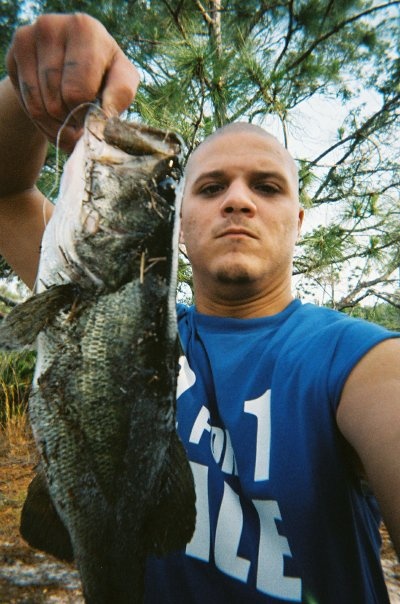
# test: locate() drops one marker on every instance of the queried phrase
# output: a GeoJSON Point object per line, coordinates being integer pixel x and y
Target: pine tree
{"type": "Point", "coordinates": [205, 63]}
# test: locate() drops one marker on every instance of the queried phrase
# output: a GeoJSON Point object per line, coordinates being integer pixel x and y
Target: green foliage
{"type": "Point", "coordinates": [51, 173]}
{"type": "Point", "coordinates": [16, 371]}
{"type": "Point", "coordinates": [206, 63]}
{"type": "Point", "coordinates": [16, 368]}
{"type": "Point", "coordinates": [9, 20]}
{"type": "Point", "coordinates": [383, 314]}
{"type": "Point", "coordinates": [185, 280]}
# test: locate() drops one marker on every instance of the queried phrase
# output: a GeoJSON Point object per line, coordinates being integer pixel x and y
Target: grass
{"type": "Point", "coordinates": [16, 370]}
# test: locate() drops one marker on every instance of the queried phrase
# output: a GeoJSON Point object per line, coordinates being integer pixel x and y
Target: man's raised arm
{"type": "Point", "coordinates": [56, 64]}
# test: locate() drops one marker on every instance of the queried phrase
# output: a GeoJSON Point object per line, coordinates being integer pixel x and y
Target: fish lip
{"type": "Point", "coordinates": [237, 231]}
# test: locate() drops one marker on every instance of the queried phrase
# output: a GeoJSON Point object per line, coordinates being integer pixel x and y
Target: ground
{"type": "Point", "coordinates": [26, 576]}
{"type": "Point", "coordinates": [29, 577]}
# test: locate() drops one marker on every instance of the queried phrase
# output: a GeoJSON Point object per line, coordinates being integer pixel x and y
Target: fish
{"type": "Point", "coordinates": [103, 400]}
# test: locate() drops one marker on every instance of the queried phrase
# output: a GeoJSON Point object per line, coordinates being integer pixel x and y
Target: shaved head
{"type": "Point", "coordinates": [246, 128]}
{"type": "Point", "coordinates": [240, 216]}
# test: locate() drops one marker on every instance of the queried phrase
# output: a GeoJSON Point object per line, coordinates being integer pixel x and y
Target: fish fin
{"type": "Point", "coordinates": [170, 524]}
{"type": "Point", "coordinates": [22, 325]}
{"type": "Point", "coordinates": [40, 523]}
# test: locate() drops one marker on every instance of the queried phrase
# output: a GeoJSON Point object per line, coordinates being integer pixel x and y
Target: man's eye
{"type": "Point", "coordinates": [211, 189]}
{"type": "Point", "coordinates": [267, 188]}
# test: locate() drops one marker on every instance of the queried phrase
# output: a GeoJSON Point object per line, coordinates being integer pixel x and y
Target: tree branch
{"type": "Point", "coordinates": [362, 132]}
{"type": "Point", "coordinates": [287, 37]}
{"type": "Point", "coordinates": [336, 29]}
{"type": "Point", "coordinates": [204, 13]}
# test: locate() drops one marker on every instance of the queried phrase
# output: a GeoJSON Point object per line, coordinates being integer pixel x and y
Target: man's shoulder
{"type": "Point", "coordinates": [303, 315]}
{"type": "Point", "coordinates": [337, 330]}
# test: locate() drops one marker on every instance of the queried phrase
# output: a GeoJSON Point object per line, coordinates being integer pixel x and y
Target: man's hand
{"type": "Point", "coordinates": [62, 61]}
{"type": "Point", "coordinates": [55, 65]}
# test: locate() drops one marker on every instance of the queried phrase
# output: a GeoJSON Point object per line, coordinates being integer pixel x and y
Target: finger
{"type": "Point", "coordinates": [63, 61]}
{"type": "Point", "coordinates": [60, 73]}
{"type": "Point", "coordinates": [50, 56]}
{"type": "Point", "coordinates": [28, 98]}
{"type": "Point", "coordinates": [120, 85]}
{"type": "Point", "coordinates": [88, 52]}
{"type": "Point", "coordinates": [98, 68]}
{"type": "Point", "coordinates": [23, 63]}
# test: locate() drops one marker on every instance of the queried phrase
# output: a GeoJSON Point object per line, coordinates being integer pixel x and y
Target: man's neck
{"type": "Point", "coordinates": [243, 307]}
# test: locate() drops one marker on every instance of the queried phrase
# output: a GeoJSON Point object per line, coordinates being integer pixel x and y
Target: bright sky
{"type": "Point", "coordinates": [313, 128]}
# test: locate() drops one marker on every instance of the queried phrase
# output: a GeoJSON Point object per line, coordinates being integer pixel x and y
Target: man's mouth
{"type": "Point", "coordinates": [236, 232]}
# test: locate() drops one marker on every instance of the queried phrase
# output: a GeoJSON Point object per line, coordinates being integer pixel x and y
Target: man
{"type": "Point", "coordinates": [282, 406]}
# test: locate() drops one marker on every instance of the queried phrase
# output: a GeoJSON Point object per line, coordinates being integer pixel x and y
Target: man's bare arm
{"type": "Point", "coordinates": [369, 418]}
{"type": "Point", "coordinates": [55, 64]}
{"type": "Point", "coordinates": [23, 208]}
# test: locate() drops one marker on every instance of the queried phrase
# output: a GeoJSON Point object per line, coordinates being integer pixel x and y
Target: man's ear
{"type": "Point", "coordinates": [181, 237]}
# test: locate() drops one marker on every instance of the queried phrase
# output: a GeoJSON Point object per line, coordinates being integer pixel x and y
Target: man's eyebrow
{"type": "Point", "coordinates": [270, 174]}
{"type": "Point", "coordinates": [210, 174]}
{"type": "Point", "coordinates": [254, 174]}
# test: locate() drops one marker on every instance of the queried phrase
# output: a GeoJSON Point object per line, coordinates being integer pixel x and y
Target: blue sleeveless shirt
{"type": "Point", "coordinates": [281, 516]}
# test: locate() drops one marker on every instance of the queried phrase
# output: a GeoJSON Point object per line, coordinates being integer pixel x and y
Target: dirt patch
{"type": "Point", "coordinates": [30, 577]}
{"type": "Point", "coordinates": [26, 576]}
{"type": "Point", "coordinates": [391, 567]}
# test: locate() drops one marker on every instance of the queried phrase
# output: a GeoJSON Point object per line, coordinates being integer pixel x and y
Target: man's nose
{"type": "Point", "coordinates": [238, 199]}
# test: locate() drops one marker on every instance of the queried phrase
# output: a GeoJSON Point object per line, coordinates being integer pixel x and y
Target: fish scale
{"type": "Point", "coordinates": [102, 407]}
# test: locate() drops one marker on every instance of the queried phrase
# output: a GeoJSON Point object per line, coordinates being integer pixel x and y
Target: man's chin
{"type": "Point", "coordinates": [234, 276]}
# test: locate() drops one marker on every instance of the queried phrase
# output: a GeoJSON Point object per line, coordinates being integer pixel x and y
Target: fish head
{"type": "Point", "coordinates": [119, 206]}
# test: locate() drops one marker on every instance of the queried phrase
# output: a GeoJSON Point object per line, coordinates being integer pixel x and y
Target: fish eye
{"type": "Point", "coordinates": [166, 188]}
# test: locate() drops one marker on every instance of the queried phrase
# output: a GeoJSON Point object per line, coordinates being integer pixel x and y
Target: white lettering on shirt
{"type": "Point", "coordinates": [227, 537]}
{"type": "Point", "coordinates": [261, 408]}
{"type": "Point", "coordinates": [200, 425]}
{"type": "Point", "coordinates": [273, 547]}
{"type": "Point", "coordinates": [199, 546]}
{"type": "Point", "coordinates": [186, 377]}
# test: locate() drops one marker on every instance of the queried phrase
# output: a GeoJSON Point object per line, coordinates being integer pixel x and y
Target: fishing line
{"type": "Point", "coordinates": [58, 171]}
{"type": "Point", "coordinates": [56, 184]}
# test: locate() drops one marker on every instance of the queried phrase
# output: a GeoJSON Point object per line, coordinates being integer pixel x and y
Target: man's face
{"type": "Point", "coordinates": [240, 213]}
